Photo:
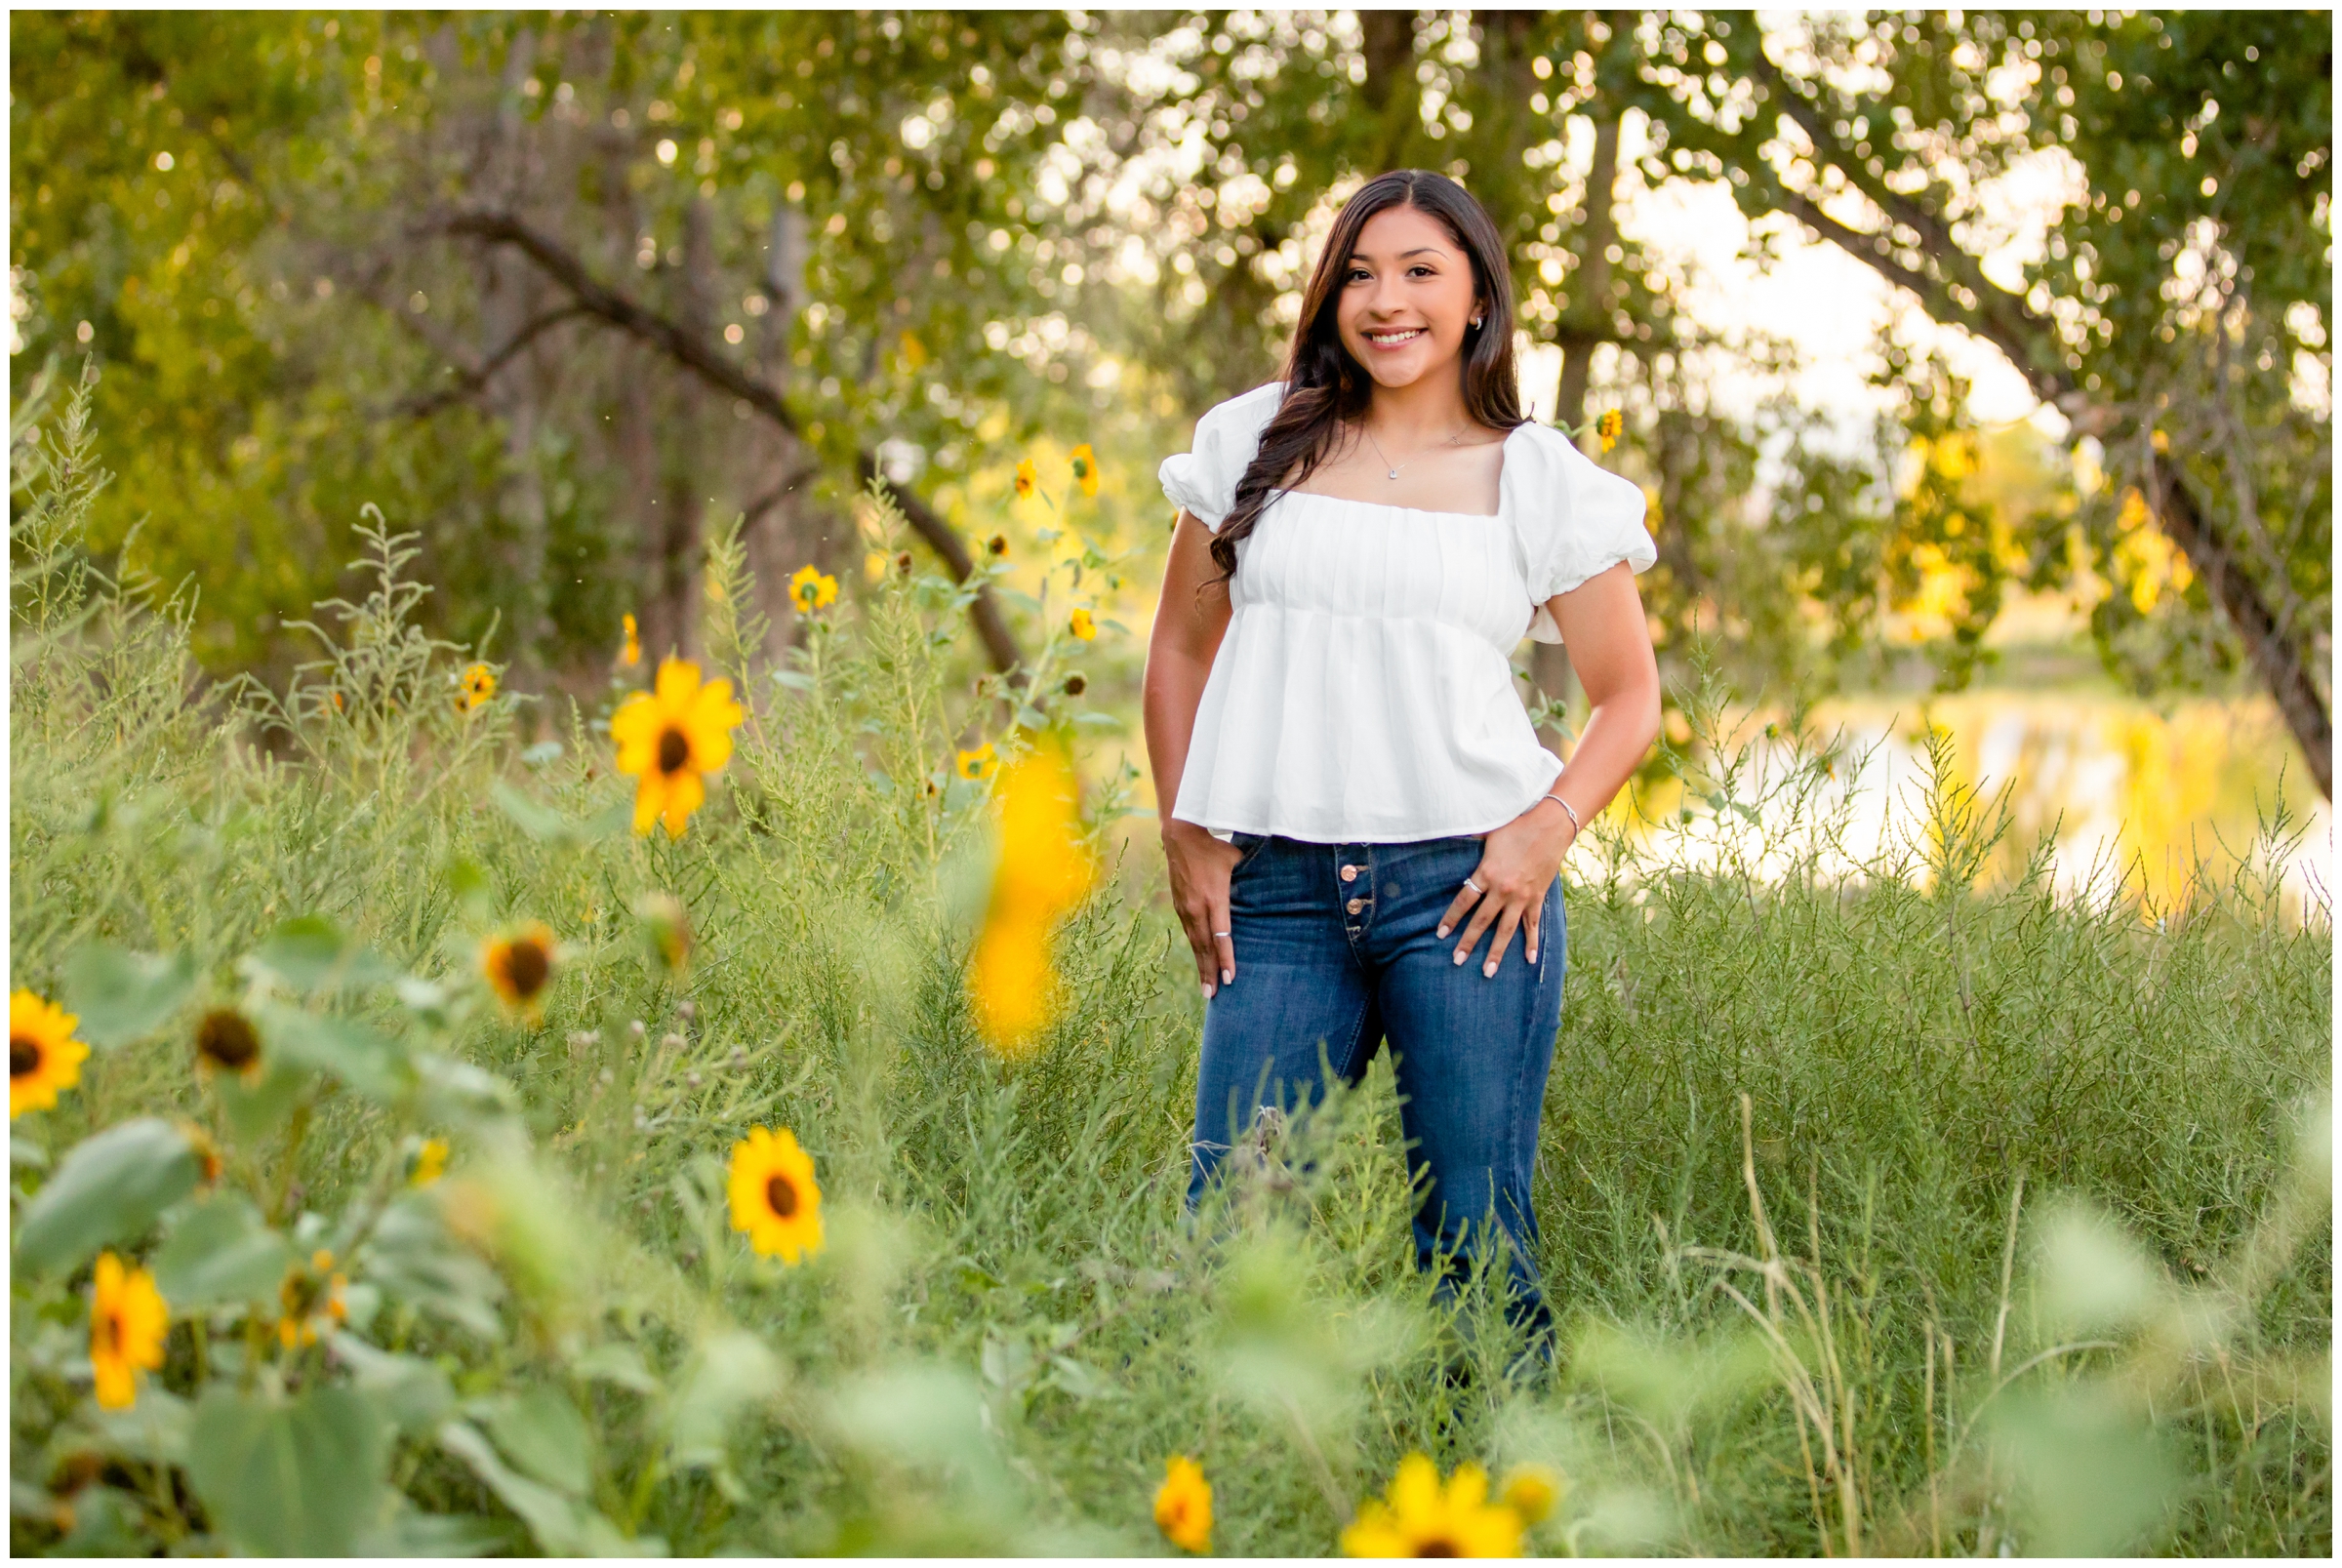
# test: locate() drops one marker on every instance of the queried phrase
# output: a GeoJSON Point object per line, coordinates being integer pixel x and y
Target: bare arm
{"type": "Point", "coordinates": [1609, 645]}
{"type": "Point", "coordinates": [1189, 618]}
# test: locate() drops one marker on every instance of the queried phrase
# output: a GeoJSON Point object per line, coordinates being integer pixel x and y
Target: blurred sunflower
{"type": "Point", "coordinates": [519, 965]}
{"type": "Point", "coordinates": [997, 545]}
{"type": "Point", "coordinates": [1085, 469]}
{"type": "Point", "coordinates": [1532, 1491]}
{"type": "Point", "coordinates": [307, 1294]}
{"type": "Point", "coordinates": [629, 653]}
{"type": "Point", "coordinates": [1028, 477]}
{"type": "Point", "coordinates": [1609, 427]}
{"type": "Point", "coordinates": [430, 1163]}
{"type": "Point", "coordinates": [811, 590]}
{"type": "Point", "coordinates": [1182, 1505]}
{"type": "Point", "coordinates": [225, 1041]}
{"type": "Point", "coordinates": [43, 1057]}
{"type": "Point", "coordinates": [128, 1319]}
{"type": "Point", "coordinates": [1076, 684]}
{"type": "Point", "coordinates": [775, 1198]}
{"type": "Point", "coordinates": [1420, 1519]}
{"type": "Point", "coordinates": [671, 739]}
{"type": "Point", "coordinates": [1042, 874]}
{"type": "Point", "coordinates": [873, 566]}
{"type": "Point", "coordinates": [476, 687]}
{"type": "Point", "coordinates": [1084, 625]}
{"type": "Point", "coordinates": [978, 764]}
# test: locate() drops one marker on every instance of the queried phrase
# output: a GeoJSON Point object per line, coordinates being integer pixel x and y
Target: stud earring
{"type": "Point", "coordinates": [1475, 321]}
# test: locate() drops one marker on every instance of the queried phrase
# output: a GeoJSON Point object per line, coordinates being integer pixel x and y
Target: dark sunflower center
{"type": "Point", "coordinates": [225, 1037]}
{"type": "Point", "coordinates": [527, 966]}
{"type": "Point", "coordinates": [675, 750]}
{"type": "Point", "coordinates": [24, 1056]}
{"type": "Point", "coordinates": [109, 1328]}
{"type": "Point", "coordinates": [782, 1194]}
{"type": "Point", "coordinates": [1437, 1547]}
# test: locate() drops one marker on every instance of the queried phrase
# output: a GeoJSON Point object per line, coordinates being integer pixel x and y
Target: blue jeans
{"type": "Point", "coordinates": [1335, 949]}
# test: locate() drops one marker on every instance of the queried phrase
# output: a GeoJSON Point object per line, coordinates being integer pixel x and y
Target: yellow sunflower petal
{"type": "Point", "coordinates": [650, 799]}
{"type": "Point", "coordinates": [678, 679]}
{"type": "Point", "coordinates": [685, 794]}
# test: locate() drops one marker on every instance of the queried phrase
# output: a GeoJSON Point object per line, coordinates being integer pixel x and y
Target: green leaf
{"type": "Point", "coordinates": [221, 1254]}
{"type": "Point", "coordinates": [533, 818]}
{"type": "Point", "coordinates": [109, 1188]}
{"type": "Point", "coordinates": [541, 1431]}
{"type": "Point", "coordinates": [367, 1061]}
{"type": "Point", "coordinates": [413, 1394]}
{"type": "Point", "coordinates": [121, 996]}
{"type": "Point", "coordinates": [562, 1526]}
{"type": "Point", "coordinates": [729, 1372]}
{"type": "Point", "coordinates": [303, 1478]}
{"type": "Point", "coordinates": [621, 1364]}
{"type": "Point", "coordinates": [312, 954]}
{"type": "Point", "coordinates": [412, 1257]}
{"type": "Point", "coordinates": [255, 1108]}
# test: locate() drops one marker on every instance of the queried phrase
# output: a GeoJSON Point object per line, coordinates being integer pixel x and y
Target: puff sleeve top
{"type": "Point", "coordinates": [1363, 691]}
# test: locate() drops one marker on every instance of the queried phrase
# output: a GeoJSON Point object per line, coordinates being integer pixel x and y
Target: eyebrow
{"type": "Point", "coordinates": [1420, 250]}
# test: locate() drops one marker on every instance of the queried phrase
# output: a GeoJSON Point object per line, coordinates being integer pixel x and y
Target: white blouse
{"type": "Point", "coordinates": [1364, 690]}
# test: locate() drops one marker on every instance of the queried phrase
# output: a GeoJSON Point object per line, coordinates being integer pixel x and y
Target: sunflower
{"type": "Point", "coordinates": [979, 763]}
{"type": "Point", "coordinates": [519, 965]}
{"type": "Point", "coordinates": [477, 686]}
{"type": "Point", "coordinates": [997, 545]}
{"type": "Point", "coordinates": [1028, 477]}
{"type": "Point", "coordinates": [811, 590]}
{"type": "Point", "coordinates": [1084, 625]}
{"type": "Point", "coordinates": [1182, 1505]}
{"type": "Point", "coordinates": [43, 1057]}
{"type": "Point", "coordinates": [1420, 1519]}
{"type": "Point", "coordinates": [775, 1198]}
{"type": "Point", "coordinates": [430, 1163]}
{"type": "Point", "coordinates": [128, 1319]}
{"type": "Point", "coordinates": [1085, 469]}
{"type": "Point", "coordinates": [671, 739]}
{"type": "Point", "coordinates": [1076, 684]}
{"type": "Point", "coordinates": [873, 567]}
{"type": "Point", "coordinates": [1043, 873]}
{"type": "Point", "coordinates": [306, 1294]}
{"type": "Point", "coordinates": [1531, 1490]}
{"type": "Point", "coordinates": [1609, 426]}
{"type": "Point", "coordinates": [227, 1041]}
{"type": "Point", "coordinates": [629, 653]}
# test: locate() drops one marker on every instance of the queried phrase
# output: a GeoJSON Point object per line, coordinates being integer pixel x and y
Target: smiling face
{"type": "Point", "coordinates": [1406, 297]}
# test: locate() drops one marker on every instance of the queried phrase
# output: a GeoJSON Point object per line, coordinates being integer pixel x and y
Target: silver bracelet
{"type": "Point", "coordinates": [1576, 827]}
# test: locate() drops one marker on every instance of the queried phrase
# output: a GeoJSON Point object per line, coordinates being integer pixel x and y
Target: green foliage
{"type": "Point", "coordinates": [1790, 1127]}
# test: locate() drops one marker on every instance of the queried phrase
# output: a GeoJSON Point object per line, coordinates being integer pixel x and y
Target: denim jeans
{"type": "Point", "coordinates": [1335, 947]}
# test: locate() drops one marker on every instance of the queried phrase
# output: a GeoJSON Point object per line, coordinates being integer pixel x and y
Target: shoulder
{"type": "Point", "coordinates": [1556, 479]}
{"type": "Point", "coordinates": [1244, 413]}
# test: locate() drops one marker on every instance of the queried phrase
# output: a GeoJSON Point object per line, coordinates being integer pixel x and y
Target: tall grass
{"type": "Point", "coordinates": [1885, 1212]}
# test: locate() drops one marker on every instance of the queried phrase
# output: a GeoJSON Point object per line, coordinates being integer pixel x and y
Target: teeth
{"type": "Point", "coordinates": [1395, 337]}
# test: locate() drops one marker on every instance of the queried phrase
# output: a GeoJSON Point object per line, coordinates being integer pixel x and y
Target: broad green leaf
{"type": "Point", "coordinates": [541, 1430]}
{"type": "Point", "coordinates": [255, 1108]}
{"type": "Point", "coordinates": [412, 1393]}
{"type": "Point", "coordinates": [223, 1253]}
{"type": "Point", "coordinates": [312, 953]}
{"type": "Point", "coordinates": [412, 1257]}
{"type": "Point", "coordinates": [729, 1372]}
{"type": "Point", "coordinates": [109, 1188]}
{"type": "Point", "coordinates": [121, 996]}
{"type": "Point", "coordinates": [297, 1479]}
{"type": "Point", "coordinates": [2092, 1478]}
{"type": "Point", "coordinates": [621, 1364]}
{"type": "Point", "coordinates": [369, 1062]}
{"type": "Point", "coordinates": [533, 818]}
{"type": "Point", "coordinates": [411, 1533]}
{"type": "Point", "coordinates": [562, 1526]}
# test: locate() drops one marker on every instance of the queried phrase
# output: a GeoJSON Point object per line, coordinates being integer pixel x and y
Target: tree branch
{"type": "Point", "coordinates": [705, 360]}
{"type": "Point", "coordinates": [471, 380]}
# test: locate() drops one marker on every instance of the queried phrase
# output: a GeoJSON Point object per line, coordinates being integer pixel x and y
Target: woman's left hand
{"type": "Point", "coordinates": [1518, 864]}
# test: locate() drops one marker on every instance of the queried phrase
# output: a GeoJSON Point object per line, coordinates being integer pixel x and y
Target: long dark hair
{"type": "Point", "coordinates": [1324, 384]}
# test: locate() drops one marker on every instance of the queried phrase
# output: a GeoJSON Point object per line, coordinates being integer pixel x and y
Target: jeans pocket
{"type": "Point", "coordinates": [1249, 846]}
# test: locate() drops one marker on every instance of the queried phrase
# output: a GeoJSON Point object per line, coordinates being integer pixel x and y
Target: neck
{"type": "Point", "coordinates": [1427, 409]}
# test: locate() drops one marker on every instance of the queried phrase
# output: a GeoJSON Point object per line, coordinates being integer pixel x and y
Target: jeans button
{"type": "Point", "coordinates": [1350, 874]}
{"type": "Point", "coordinates": [1356, 905]}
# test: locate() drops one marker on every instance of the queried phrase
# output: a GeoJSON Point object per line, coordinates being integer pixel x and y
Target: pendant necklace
{"type": "Point", "coordinates": [1395, 467]}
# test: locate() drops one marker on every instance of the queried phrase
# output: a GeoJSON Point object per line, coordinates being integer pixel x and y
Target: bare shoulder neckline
{"type": "Point", "coordinates": [1504, 488]}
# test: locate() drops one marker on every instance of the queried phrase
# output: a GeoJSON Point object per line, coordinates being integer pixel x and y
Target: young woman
{"type": "Point", "coordinates": [1355, 804]}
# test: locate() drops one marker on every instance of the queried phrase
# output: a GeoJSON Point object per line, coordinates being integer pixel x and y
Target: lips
{"type": "Point", "coordinates": [1396, 340]}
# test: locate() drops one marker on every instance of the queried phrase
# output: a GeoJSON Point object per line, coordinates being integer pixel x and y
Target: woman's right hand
{"type": "Point", "coordinates": [1200, 869]}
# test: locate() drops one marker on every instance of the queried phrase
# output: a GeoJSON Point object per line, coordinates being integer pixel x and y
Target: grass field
{"type": "Point", "coordinates": [1885, 1212]}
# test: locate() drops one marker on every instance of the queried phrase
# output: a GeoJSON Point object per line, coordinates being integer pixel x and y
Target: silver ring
{"type": "Point", "coordinates": [1221, 933]}
{"type": "Point", "coordinates": [1474, 886]}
